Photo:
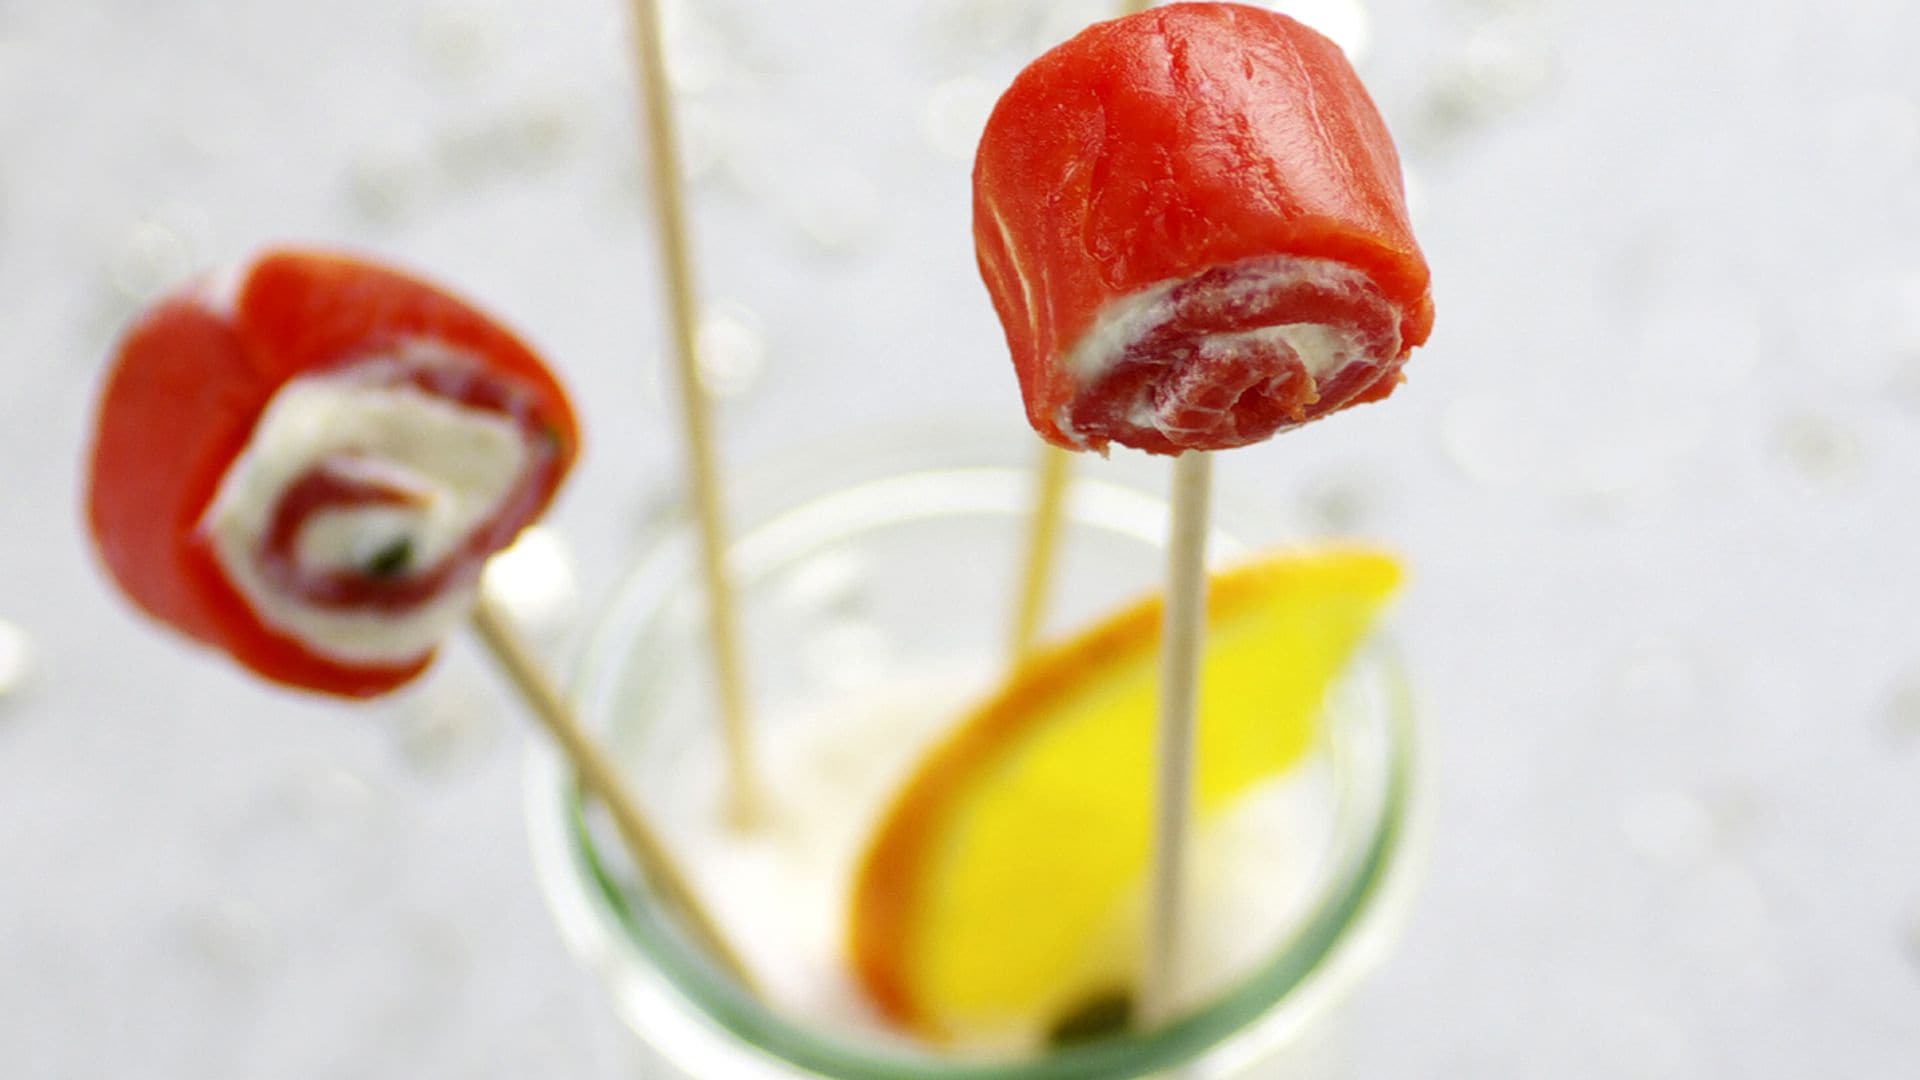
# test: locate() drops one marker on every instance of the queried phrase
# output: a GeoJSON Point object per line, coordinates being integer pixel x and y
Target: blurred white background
{"type": "Point", "coordinates": [1655, 475]}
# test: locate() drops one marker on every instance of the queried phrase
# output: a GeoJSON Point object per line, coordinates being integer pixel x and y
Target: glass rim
{"type": "Point", "coordinates": [598, 915]}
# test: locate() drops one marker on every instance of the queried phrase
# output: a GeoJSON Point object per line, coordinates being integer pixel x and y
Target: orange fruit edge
{"type": "Point", "coordinates": [888, 882]}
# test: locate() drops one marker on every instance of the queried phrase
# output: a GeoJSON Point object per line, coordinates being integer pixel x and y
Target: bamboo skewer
{"type": "Point", "coordinates": [1051, 477]}
{"type": "Point", "coordinates": [1183, 634]}
{"type": "Point", "coordinates": [669, 204]}
{"type": "Point", "coordinates": [600, 778]}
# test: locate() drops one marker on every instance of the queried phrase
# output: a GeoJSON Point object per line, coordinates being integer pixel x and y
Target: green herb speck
{"type": "Point", "coordinates": [1109, 1012]}
{"type": "Point", "coordinates": [391, 561]}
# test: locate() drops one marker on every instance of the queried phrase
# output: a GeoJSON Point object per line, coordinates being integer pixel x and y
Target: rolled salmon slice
{"type": "Point", "coordinates": [307, 462]}
{"type": "Point", "coordinates": [1192, 225]}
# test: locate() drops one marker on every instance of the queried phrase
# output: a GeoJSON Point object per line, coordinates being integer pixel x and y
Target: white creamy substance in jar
{"type": "Point", "coordinates": [781, 893]}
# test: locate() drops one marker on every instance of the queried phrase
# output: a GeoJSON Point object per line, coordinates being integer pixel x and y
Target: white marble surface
{"type": "Point", "coordinates": [1655, 475]}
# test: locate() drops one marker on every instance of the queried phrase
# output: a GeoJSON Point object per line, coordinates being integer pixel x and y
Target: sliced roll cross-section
{"type": "Point", "coordinates": [1192, 226]}
{"type": "Point", "coordinates": [307, 463]}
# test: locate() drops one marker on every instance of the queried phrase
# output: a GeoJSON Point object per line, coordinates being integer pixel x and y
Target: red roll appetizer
{"type": "Point", "coordinates": [306, 464]}
{"type": "Point", "coordinates": [1192, 225]}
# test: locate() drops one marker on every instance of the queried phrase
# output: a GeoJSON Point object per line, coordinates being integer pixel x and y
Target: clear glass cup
{"type": "Point", "coordinates": [897, 554]}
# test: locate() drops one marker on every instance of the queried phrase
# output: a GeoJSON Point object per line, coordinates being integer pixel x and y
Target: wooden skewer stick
{"type": "Point", "coordinates": [1182, 637]}
{"type": "Point", "coordinates": [600, 778]}
{"type": "Point", "coordinates": [676, 260]}
{"type": "Point", "coordinates": [1043, 532]}
{"type": "Point", "coordinates": [1183, 634]}
{"type": "Point", "coordinates": [1051, 476]}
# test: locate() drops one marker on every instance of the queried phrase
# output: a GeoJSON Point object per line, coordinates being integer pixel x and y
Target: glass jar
{"type": "Point", "coordinates": [877, 557]}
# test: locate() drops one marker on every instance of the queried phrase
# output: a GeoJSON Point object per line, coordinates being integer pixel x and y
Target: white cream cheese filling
{"type": "Point", "coordinates": [1323, 349]}
{"type": "Point", "coordinates": [456, 463]}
